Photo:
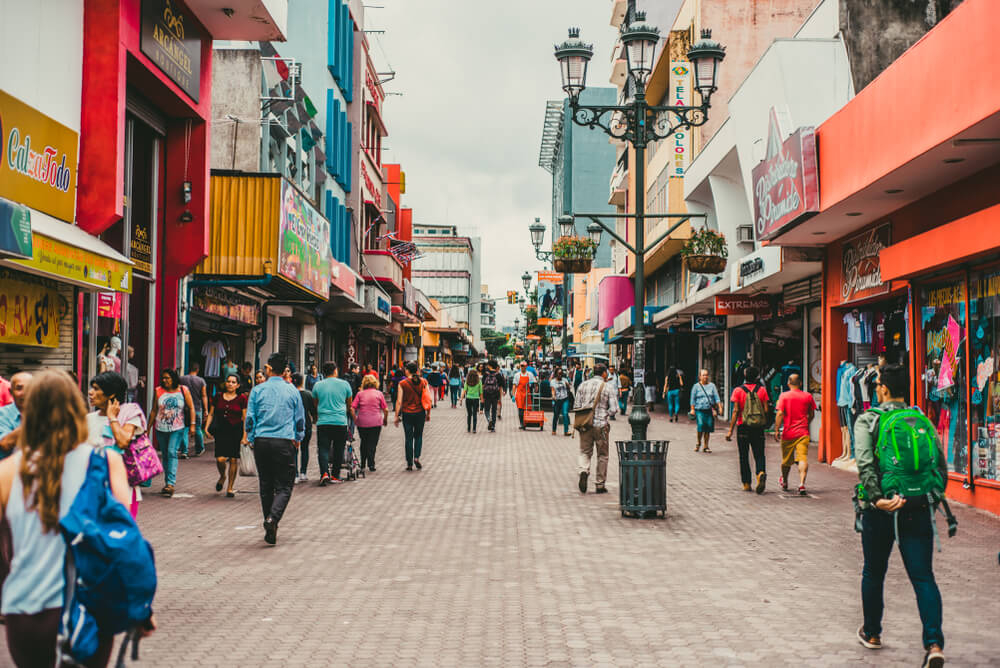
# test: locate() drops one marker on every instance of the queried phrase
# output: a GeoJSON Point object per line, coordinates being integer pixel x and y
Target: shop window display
{"type": "Point", "coordinates": [943, 325]}
{"type": "Point", "coordinates": [984, 382]}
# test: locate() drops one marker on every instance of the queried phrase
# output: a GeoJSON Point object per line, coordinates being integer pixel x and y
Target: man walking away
{"type": "Point", "coordinates": [705, 404]}
{"type": "Point", "coordinates": [750, 419]}
{"type": "Point", "coordinates": [595, 393]}
{"type": "Point", "coordinates": [888, 515]}
{"type": "Point", "coordinates": [275, 425]}
{"type": "Point", "coordinates": [333, 402]}
{"type": "Point", "coordinates": [493, 388]}
{"type": "Point", "coordinates": [791, 428]}
{"type": "Point", "coordinates": [199, 395]}
{"type": "Point", "coordinates": [309, 405]}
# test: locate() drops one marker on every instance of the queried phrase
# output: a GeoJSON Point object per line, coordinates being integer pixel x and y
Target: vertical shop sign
{"type": "Point", "coordinates": [141, 246]}
{"type": "Point", "coordinates": [303, 242]}
{"type": "Point", "coordinates": [15, 230]}
{"type": "Point", "coordinates": [37, 159]}
{"type": "Point", "coordinates": [550, 299]}
{"type": "Point", "coordinates": [29, 312]}
{"type": "Point", "coordinates": [680, 94]}
{"type": "Point", "coordinates": [861, 270]}
{"type": "Point", "coordinates": [171, 38]}
{"type": "Point", "coordinates": [786, 182]}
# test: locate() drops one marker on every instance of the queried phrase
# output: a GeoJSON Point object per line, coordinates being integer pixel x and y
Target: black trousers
{"type": "Point", "coordinates": [275, 459]}
{"type": "Point", "coordinates": [490, 410]}
{"type": "Point", "coordinates": [304, 449]}
{"type": "Point", "coordinates": [471, 413]}
{"type": "Point", "coordinates": [330, 442]}
{"type": "Point", "coordinates": [750, 439]}
{"type": "Point", "coordinates": [369, 441]}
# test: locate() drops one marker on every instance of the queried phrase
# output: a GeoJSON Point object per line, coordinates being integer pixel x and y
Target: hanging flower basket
{"type": "Point", "coordinates": [573, 255]}
{"type": "Point", "coordinates": [705, 264]}
{"type": "Point", "coordinates": [569, 266]}
{"type": "Point", "coordinates": [705, 252]}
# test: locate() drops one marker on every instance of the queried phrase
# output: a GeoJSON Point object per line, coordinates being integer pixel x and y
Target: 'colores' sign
{"type": "Point", "coordinates": [37, 159]}
{"type": "Point", "coordinates": [786, 182]}
{"type": "Point", "coordinates": [680, 94]}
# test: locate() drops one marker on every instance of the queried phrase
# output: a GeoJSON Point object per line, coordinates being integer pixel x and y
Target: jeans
{"type": "Point", "coordinates": [275, 459]}
{"type": "Point", "coordinates": [471, 414]}
{"type": "Point", "coordinates": [673, 402]}
{"type": "Point", "coordinates": [623, 403]}
{"type": "Point", "coordinates": [455, 391]}
{"type": "Point", "coordinates": [170, 444]}
{"type": "Point", "coordinates": [330, 442]}
{"type": "Point", "coordinates": [304, 450]}
{"type": "Point", "coordinates": [747, 439]}
{"type": "Point", "coordinates": [369, 441]}
{"type": "Point", "coordinates": [199, 436]}
{"type": "Point", "coordinates": [560, 408]}
{"type": "Point", "coordinates": [916, 547]}
{"type": "Point", "coordinates": [490, 407]}
{"type": "Point", "coordinates": [413, 434]}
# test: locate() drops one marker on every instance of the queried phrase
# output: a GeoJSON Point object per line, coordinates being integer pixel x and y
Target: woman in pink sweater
{"type": "Point", "coordinates": [371, 414]}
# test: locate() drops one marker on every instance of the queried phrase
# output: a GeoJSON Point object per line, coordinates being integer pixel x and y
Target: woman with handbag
{"type": "Point", "coordinates": [172, 400]}
{"type": "Point", "coordinates": [115, 424]}
{"type": "Point", "coordinates": [413, 407]}
{"type": "Point", "coordinates": [226, 419]}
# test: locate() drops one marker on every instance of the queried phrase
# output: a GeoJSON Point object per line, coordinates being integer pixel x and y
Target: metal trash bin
{"type": "Point", "coordinates": [642, 475]}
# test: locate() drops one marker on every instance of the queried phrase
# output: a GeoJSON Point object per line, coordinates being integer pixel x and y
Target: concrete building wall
{"type": "Point", "coordinates": [236, 109]}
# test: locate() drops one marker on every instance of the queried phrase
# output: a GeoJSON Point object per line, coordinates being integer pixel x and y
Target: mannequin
{"type": "Point", "coordinates": [109, 359]}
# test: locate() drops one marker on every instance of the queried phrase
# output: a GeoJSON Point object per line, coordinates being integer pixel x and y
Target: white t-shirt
{"type": "Point", "coordinates": [853, 328]}
{"type": "Point", "coordinates": [213, 351]}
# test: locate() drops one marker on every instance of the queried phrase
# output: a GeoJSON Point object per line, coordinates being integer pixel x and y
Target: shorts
{"type": "Point", "coordinates": [845, 416]}
{"type": "Point", "coordinates": [705, 419]}
{"type": "Point", "coordinates": [794, 450]}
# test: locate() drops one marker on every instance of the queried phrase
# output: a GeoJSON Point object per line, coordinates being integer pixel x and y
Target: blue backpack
{"type": "Point", "coordinates": [110, 573]}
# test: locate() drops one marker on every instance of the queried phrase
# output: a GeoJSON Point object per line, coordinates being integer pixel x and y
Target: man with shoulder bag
{"type": "Point", "coordinates": [595, 404]}
{"type": "Point", "coordinates": [902, 474]}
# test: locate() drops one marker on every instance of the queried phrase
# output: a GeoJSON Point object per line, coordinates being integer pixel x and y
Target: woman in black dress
{"type": "Point", "coordinates": [226, 420]}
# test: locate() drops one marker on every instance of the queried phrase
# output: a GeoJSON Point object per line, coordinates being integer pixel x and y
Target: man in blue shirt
{"type": "Point", "coordinates": [275, 425]}
{"type": "Point", "coordinates": [333, 401]}
{"type": "Point", "coordinates": [10, 415]}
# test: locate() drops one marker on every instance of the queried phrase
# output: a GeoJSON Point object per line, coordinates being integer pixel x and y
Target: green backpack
{"type": "Point", "coordinates": [907, 452]}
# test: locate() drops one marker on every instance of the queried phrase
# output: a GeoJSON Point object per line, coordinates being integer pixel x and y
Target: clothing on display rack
{"type": "Point", "coordinates": [213, 351]}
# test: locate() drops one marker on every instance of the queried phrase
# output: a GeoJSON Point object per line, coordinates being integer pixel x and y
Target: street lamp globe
{"type": "Point", "coordinates": [521, 301]}
{"type": "Point", "coordinates": [526, 280]}
{"type": "Point", "coordinates": [706, 55]}
{"type": "Point", "coordinates": [573, 56]}
{"type": "Point", "coordinates": [537, 233]}
{"type": "Point", "coordinates": [594, 232]}
{"type": "Point", "coordinates": [639, 40]}
{"type": "Point", "coordinates": [566, 226]}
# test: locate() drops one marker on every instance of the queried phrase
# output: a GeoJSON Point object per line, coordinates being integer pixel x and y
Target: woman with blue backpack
{"type": "Point", "coordinates": [52, 479]}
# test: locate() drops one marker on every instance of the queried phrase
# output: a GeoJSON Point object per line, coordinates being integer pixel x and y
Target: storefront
{"type": "Point", "coordinates": [910, 219]}
{"type": "Point", "coordinates": [224, 326]}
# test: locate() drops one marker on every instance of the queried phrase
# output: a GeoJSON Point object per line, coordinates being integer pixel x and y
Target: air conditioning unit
{"type": "Point", "coordinates": [744, 234]}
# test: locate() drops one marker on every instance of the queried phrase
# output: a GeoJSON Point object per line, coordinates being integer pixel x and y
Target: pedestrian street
{"type": "Point", "coordinates": [490, 556]}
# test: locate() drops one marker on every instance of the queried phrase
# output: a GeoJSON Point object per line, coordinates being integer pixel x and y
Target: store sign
{"type": "Point", "coordinates": [226, 305]}
{"type": "Point", "coordinates": [743, 305]}
{"type": "Point", "coordinates": [372, 84]}
{"type": "Point", "coordinates": [78, 265]}
{"type": "Point", "coordinates": [172, 39]}
{"type": "Point", "coordinates": [376, 193]}
{"type": "Point", "coordinates": [786, 182]}
{"type": "Point", "coordinates": [29, 312]}
{"type": "Point", "coordinates": [37, 159]}
{"type": "Point", "coordinates": [680, 94]}
{"type": "Point", "coordinates": [383, 305]}
{"type": "Point", "coordinates": [15, 229]}
{"type": "Point", "coordinates": [342, 278]}
{"type": "Point", "coordinates": [409, 296]}
{"type": "Point", "coordinates": [708, 323]}
{"type": "Point", "coordinates": [303, 242]}
{"type": "Point", "coordinates": [861, 269]}
{"type": "Point", "coordinates": [109, 305]}
{"type": "Point", "coordinates": [141, 246]}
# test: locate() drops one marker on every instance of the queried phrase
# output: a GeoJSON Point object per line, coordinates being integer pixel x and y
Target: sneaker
{"type": "Point", "coordinates": [802, 490]}
{"type": "Point", "coordinates": [783, 484]}
{"type": "Point", "coordinates": [600, 490]}
{"type": "Point", "coordinates": [746, 487]}
{"type": "Point", "coordinates": [871, 642]}
{"type": "Point", "coordinates": [334, 480]}
{"type": "Point", "coordinates": [199, 453]}
{"type": "Point", "coordinates": [583, 481]}
{"type": "Point", "coordinates": [305, 478]}
{"type": "Point", "coordinates": [409, 467]}
{"type": "Point", "coordinates": [325, 480]}
{"type": "Point", "coordinates": [416, 462]}
{"type": "Point", "coordinates": [761, 480]}
{"type": "Point", "coordinates": [934, 657]}
{"type": "Point", "coordinates": [167, 491]}
{"type": "Point", "coordinates": [182, 455]}
{"type": "Point", "coordinates": [270, 532]}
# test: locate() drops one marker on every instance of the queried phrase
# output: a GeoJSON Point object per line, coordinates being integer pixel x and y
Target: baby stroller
{"type": "Point", "coordinates": [351, 463]}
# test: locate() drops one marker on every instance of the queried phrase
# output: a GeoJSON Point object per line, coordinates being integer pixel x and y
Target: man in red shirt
{"type": "Point", "coordinates": [750, 437]}
{"type": "Point", "coordinates": [791, 428]}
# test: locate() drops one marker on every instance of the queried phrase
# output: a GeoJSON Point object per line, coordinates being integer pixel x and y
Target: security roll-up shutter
{"type": "Point", "coordinates": [290, 341]}
{"type": "Point", "coordinates": [806, 291]}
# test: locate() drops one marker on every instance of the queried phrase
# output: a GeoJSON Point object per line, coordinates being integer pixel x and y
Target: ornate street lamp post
{"type": "Point", "coordinates": [638, 123]}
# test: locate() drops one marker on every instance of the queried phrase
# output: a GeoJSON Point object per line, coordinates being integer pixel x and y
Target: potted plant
{"type": "Point", "coordinates": [705, 252]}
{"type": "Point", "coordinates": [573, 255]}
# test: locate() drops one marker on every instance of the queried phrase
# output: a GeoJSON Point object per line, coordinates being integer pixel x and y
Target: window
{"type": "Point", "coordinates": [943, 324]}
{"type": "Point", "coordinates": [984, 384]}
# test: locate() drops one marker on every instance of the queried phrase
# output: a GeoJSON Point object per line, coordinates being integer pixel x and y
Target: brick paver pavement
{"type": "Point", "coordinates": [491, 557]}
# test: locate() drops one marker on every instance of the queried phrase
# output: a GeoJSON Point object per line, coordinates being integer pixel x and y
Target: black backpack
{"type": "Point", "coordinates": [491, 384]}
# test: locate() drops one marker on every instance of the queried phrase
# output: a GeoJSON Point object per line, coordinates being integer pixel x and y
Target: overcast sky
{"type": "Point", "coordinates": [474, 78]}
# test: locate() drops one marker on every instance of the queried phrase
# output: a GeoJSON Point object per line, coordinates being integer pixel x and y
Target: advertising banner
{"type": "Point", "coordinates": [861, 266]}
{"type": "Point", "coordinates": [550, 299]}
{"type": "Point", "coordinates": [786, 182]}
{"type": "Point", "coordinates": [303, 242]}
{"type": "Point", "coordinates": [37, 159]}
{"type": "Point", "coordinates": [78, 265]}
{"type": "Point", "coordinates": [29, 312]}
{"type": "Point", "coordinates": [680, 94]}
